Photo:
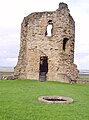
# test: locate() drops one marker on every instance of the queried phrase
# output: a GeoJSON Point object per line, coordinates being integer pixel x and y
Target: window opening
{"type": "Point", "coordinates": [64, 43]}
{"type": "Point", "coordinates": [49, 30]}
{"type": "Point", "coordinates": [50, 21]}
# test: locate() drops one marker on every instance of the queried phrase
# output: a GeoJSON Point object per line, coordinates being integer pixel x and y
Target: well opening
{"type": "Point", "coordinates": [56, 99]}
{"type": "Point", "coordinates": [53, 99]}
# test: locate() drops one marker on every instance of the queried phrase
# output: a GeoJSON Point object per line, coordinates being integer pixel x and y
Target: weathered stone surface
{"type": "Point", "coordinates": [7, 77]}
{"type": "Point", "coordinates": [52, 54]}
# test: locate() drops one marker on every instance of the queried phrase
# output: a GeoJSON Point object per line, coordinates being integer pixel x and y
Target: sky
{"type": "Point", "coordinates": [12, 13]}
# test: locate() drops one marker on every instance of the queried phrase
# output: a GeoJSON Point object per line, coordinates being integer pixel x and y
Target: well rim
{"type": "Point", "coordinates": [61, 99]}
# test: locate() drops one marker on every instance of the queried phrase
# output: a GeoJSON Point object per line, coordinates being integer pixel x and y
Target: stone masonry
{"type": "Point", "coordinates": [47, 54]}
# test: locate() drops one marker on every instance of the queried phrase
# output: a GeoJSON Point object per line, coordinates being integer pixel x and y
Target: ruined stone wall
{"type": "Point", "coordinates": [59, 47]}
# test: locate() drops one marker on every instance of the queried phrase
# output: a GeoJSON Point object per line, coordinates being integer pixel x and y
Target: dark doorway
{"type": "Point", "coordinates": [43, 68]}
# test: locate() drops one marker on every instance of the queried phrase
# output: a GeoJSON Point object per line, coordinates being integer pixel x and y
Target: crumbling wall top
{"type": "Point", "coordinates": [63, 6]}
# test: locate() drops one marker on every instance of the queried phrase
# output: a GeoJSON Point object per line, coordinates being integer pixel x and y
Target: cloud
{"type": "Point", "coordinates": [80, 12]}
{"type": "Point", "coordinates": [9, 47]}
{"type": "Point", "coordinates": [8, 62]}
{"type": "Point", "coordinates": [82, 62]}
{"type": "Point", "coordinates": [11, 59]}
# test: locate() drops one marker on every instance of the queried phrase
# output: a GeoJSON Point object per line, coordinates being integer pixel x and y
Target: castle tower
{"type": "Point", "coordinates": [47, 46]}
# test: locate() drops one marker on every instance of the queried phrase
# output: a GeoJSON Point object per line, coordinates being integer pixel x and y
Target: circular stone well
{"type": "Point", "coordinates": [56, 99]}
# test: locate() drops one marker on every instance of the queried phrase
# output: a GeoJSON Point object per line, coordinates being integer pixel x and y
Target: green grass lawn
{"type": "Point", "coordinates": [19, 101]}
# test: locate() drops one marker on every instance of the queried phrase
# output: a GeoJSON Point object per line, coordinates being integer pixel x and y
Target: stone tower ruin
{"type": "Point", "coordinates": [47, 46]}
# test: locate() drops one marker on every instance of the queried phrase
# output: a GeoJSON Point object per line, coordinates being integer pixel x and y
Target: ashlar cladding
{"type": "Point", "coordinates": [47, 46]}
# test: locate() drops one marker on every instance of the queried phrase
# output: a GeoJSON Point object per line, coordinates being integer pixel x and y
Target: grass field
{"type": "Point", "coordinates": [19, 101]}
